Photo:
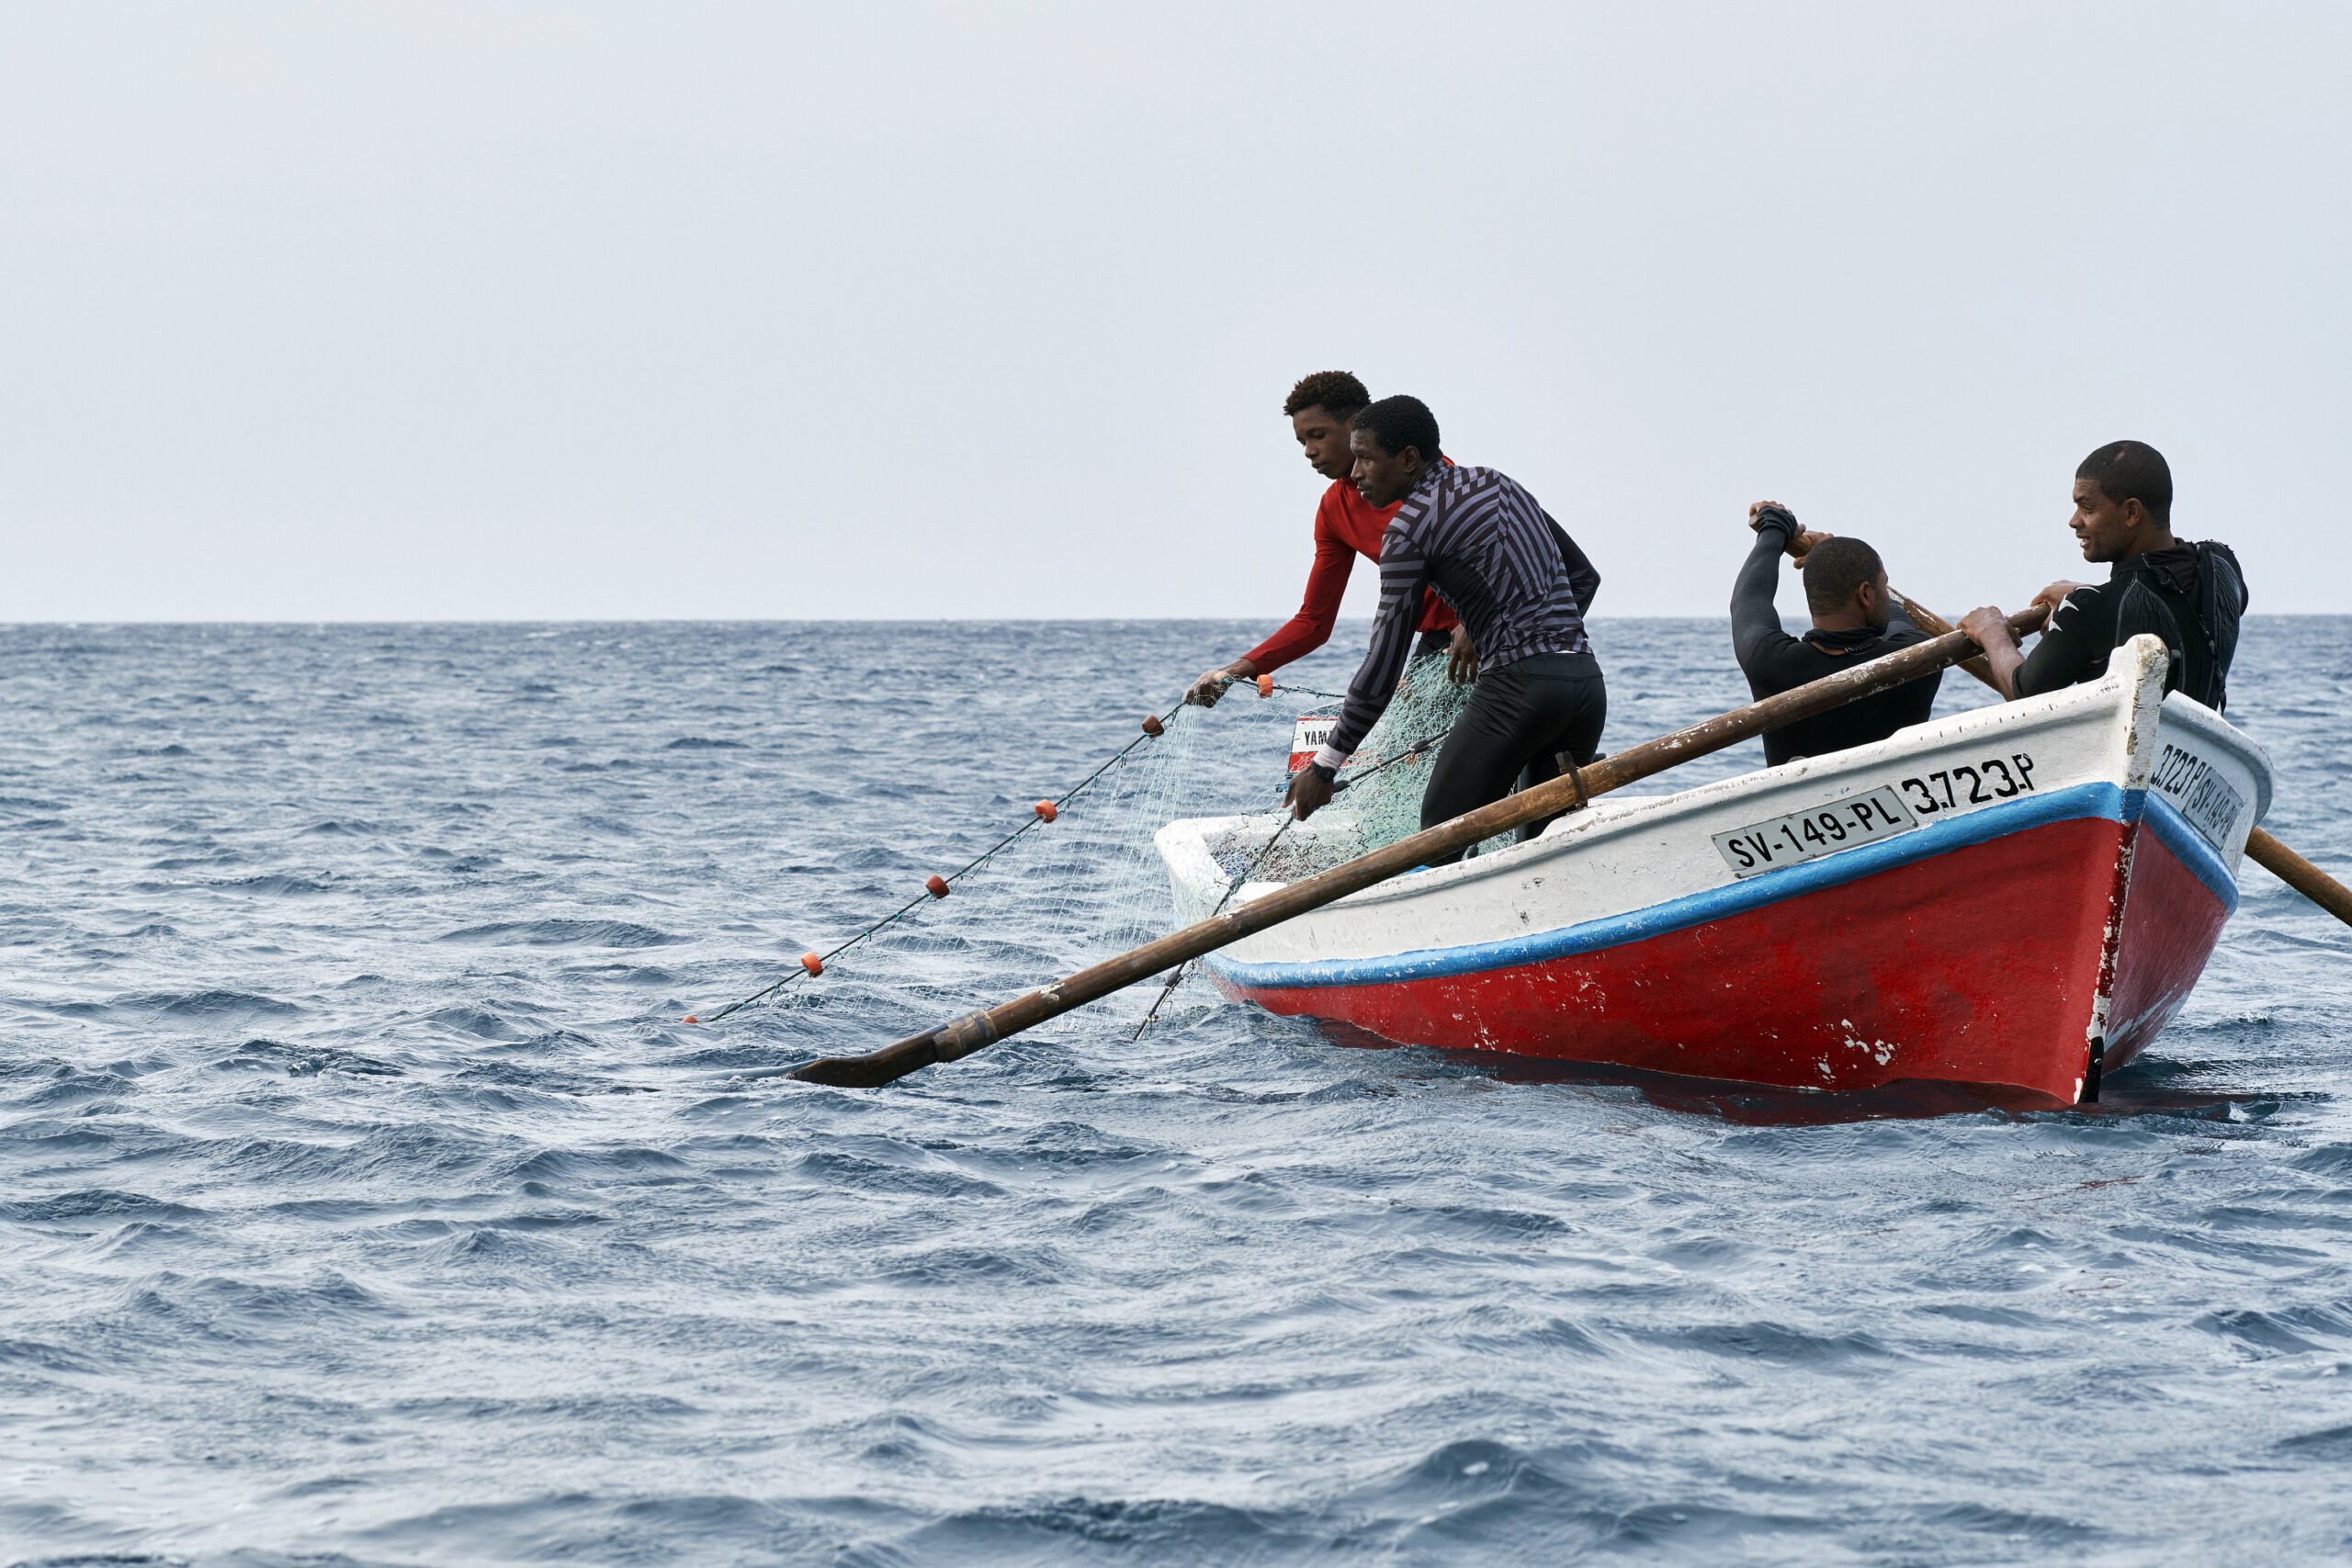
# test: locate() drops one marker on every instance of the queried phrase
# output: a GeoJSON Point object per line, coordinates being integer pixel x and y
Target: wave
{"type": "Point", "coordinates": [564, 933]}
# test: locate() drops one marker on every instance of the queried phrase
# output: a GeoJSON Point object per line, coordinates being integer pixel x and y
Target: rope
{"type": "Point", "coordinates": [1250, 873]}
{"type": "Point", "coordinates": [1037, 818]}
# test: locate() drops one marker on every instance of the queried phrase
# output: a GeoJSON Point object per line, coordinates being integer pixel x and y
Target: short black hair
{"type": "Point", "coordinates": [2132, 471]}
{"type": "Point", "coordinates": [1398, 423]}
{"type": "Point", "coordinates": [1834, 569]}
{"type": "Point", "coordinates": [1337, 390]}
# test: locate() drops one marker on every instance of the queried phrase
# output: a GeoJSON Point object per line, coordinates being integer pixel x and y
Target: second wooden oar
{"type": "Point", "coordinates": [2261, 848]}
{"type": "Point", "coordinates": [973, 1031]}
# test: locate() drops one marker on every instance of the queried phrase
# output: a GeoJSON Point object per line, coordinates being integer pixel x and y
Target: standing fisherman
{"type": "Point", "coordinates": [1346, 527]}
{"type": "Point", "coordinates": [2188, 594]}
{"type": "Point", "coordinates": [1481, 541]}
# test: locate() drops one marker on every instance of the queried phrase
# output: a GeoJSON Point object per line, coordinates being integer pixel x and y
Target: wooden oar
{"type": "Point", "coordinates": [2260, 848]}
{"type": "Point", "coordinates": [1566, 793]}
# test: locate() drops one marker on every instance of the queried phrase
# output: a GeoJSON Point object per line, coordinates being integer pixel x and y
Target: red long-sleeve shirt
{"type": "Point", "coordinates": [1346, 527]}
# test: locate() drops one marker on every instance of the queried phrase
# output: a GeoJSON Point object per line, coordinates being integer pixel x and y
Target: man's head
{"type": "Point", "coordinates": [2123, 502]}
{"type": "Point", "coordinates": [1393, 441]}
{"type": "Point", "coordinates": [1845, 586]}
{"type": "Point", "coordinates": [1319, 408]}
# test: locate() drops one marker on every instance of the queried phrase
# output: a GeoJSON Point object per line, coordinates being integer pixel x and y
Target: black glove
{"type": "Point", "coordinates": [1779, 517]}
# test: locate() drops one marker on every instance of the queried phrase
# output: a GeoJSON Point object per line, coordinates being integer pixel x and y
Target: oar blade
{"type": "Point", "coordinates": [876, 1068]}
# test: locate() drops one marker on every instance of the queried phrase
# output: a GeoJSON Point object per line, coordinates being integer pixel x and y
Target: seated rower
{"type": "Point", "coordinates": [1855, 619]}
{"type": "Point", "coordinates": [2191, 595]}
{"type": "Point", "coordinates": [1346, 527]}
{"type": "Point", "coordinates": [1482, 543]}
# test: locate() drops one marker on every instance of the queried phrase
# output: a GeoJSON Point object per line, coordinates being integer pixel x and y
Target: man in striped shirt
{"type": "Point", "coordinates": [1491, 552]}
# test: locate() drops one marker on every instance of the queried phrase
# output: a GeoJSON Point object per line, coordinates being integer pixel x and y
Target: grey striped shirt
{"type": "Point", "coordinates": [1487, 548]}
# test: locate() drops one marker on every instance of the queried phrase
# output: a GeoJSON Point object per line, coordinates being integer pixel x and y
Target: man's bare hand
{"type": "Point", "coordinates": [1309, 792]}
{"type": "Point", "coordinates": [1204, 691]}
{"type": "Point", "coordinates": [2055, 594]}
{"type": "Point", "coordinates": [1461, 657]}
{"type": "Point", "coordinates": [1988, 627]}
{"type": "Point", "coordinates": [1802, 545]}
{"type": "Point", "coordinates": [1990, 630]}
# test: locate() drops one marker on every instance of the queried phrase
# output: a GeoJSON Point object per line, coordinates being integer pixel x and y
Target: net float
{"type": "Point", "coordinates": [1151, 725]}
{"type": "Point", "coordinates": [937, 886]}
{"type": "Point", "coordinates": [1265, 685]}
{"type": "Point", "coordinates": [814, 964]}
{"type": "Point", "coordinates": [1046, 810]}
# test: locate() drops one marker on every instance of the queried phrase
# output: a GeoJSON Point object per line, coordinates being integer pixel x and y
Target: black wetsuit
{"type": "Point", "coordinates": [1774, 661]}
{"type": "Point", "coordinates": [2189, 595]}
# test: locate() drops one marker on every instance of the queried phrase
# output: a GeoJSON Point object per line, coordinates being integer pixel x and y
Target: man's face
{"type": "Point", "coordinates": [1323, 436]}
{"type": "Point", "coordinates": [1384, 478]}
{"type": "Point", "coordinates": [2107, 529]}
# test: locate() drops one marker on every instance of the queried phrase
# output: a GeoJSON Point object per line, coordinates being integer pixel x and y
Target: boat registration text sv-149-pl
{"type": "Point", "coordinates": [1824, 830]}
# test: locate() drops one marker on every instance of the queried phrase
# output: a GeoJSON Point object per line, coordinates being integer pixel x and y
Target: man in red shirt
{"type": "Point", "coordinates": [1346, 527]}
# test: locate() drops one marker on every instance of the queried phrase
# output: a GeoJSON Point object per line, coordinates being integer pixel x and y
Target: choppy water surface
{"type": "Point", "coordinates": [363, 1199]}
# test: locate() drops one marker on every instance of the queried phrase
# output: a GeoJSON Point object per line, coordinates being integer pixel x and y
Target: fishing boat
{"type": "Point", "coordinates": [2019, 897]}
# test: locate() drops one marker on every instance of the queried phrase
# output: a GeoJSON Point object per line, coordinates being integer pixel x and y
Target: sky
{"type": "Point", "coordinates": [511, 311]}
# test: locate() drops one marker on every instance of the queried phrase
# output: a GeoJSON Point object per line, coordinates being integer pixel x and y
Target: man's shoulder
{"type": "Point", "coordinates": [1468, 483]}
{"type": "Point", "coordinates": [2094, 598]}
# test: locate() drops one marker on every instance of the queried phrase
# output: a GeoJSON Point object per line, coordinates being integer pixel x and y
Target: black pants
{"type": "Point", "coordinates": [1519, 721]}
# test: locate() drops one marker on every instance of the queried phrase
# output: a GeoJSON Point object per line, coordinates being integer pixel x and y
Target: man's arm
{"type": "Point", "coordinates": [1756, 629]}
{"type": "Point", "coordinates": [1404, 573]}
{"type": "Point", "coordinates": [1327, 584]}
{"type": "Point", "coordinates": [2071, 649]}
{"type": "Point", "coordinates": [1584, 579]}
{"type": "Point", "coordinates": [1991, 630]}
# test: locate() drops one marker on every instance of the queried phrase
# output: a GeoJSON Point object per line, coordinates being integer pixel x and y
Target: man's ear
{"type": "Point", "coordinates": [2134, 513]}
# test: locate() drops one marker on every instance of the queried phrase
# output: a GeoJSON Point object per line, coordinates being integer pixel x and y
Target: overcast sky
{"type": "Point", "coordinates": [410, 311]}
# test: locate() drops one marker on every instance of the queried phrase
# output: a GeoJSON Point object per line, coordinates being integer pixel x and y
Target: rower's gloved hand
{"type": "Point", "coordinates": [1795, 537]}
{"type": "Point", "coordinates": [1310, 790]}
{"type": "Point", "coordinates": [1461, 657]}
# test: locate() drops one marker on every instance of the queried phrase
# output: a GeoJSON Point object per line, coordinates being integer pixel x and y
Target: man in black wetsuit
{"type": "Point", "coordinates": [1855, 619]}
{"type": "Point", "coordinates": [2188, 594]}
{"type": "Point", "coordinates": [1490, 551]}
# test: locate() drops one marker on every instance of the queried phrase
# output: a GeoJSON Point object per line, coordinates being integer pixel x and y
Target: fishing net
{"type": "Point", "coordinates": [1096, 879]}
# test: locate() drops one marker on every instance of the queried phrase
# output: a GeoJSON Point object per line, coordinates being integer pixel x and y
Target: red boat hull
{"type": "Point", "coordinates": [1996, 962]}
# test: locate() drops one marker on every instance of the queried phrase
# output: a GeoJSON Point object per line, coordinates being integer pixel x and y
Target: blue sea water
{"type": "Point", "coordinates": [363, 1198]}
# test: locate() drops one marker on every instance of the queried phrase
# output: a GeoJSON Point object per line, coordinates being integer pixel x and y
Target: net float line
{"type": "Point", "coordinates": [935, 887]}
{"type": "Point", "coordinates": [1267, 687]}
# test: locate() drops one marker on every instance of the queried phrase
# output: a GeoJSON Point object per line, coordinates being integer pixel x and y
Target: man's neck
{"type": "Point", "coordinates": [2147, 545]}
{"type": "Point", "coordinates": [1842, 622]}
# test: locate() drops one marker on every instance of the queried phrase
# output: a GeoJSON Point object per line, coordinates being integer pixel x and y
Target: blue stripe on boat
{"type": "Point", "coordinates": [2188, 846]}
{"type": "Point", "coordinates": [2077, 801]}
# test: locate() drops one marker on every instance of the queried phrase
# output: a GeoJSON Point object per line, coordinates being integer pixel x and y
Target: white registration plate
{"type": "Point", "coordinates": [1807, 835]}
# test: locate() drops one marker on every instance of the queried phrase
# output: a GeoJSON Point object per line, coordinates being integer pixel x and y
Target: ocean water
{"type": "Point", "coordinates": [363, 1198]}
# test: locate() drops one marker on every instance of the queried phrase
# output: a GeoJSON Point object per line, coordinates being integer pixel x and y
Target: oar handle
{"type": "Point", "coordinates": [974, 1030]}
